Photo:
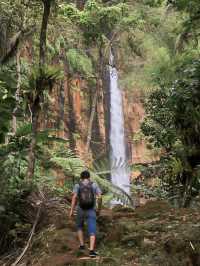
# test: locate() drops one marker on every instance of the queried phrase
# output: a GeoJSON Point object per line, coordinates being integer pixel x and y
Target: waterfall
{"type": "Point", "coordinates": [119, 170]}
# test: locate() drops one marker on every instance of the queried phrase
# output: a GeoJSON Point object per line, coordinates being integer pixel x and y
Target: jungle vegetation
{"type": "Point", "coordinates": [156, 43]}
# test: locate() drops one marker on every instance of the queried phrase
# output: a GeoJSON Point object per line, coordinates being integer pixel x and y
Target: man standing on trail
{"type": "Point", "coordinates": [85, 194]}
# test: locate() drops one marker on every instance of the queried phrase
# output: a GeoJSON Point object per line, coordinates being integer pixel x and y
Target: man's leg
{"type": "Point", "coordinates": [91, 222]}
{"type": "Point", "coordinates": [92, 242]}
{"type": "Point", "coordinates": [80, 224]}
{"type": "Point", "coordinates": [80, 237]}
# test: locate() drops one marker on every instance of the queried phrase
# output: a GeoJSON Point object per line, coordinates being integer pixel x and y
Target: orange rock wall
{"type": "Point", "coordinates": [73, 125]}
{"type": "Point", "coordinates": [68, 112]}
{"type": "Point", "coordinates": [134, 114]}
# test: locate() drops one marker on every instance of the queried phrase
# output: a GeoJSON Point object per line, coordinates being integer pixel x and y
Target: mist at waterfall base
{"type": "Point", "coordinates": [120, 175]}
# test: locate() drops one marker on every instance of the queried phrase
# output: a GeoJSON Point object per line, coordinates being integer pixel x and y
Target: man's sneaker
{"type": "Point", "coordinates": [93, 254]}
{"type": "Point", "coordinates": [81, 247]}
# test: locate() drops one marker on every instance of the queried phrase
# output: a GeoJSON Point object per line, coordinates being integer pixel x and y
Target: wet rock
{"type": "Point", "coordinates": [132, 240]}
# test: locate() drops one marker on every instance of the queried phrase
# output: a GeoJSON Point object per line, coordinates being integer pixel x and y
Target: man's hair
{"type": "Point", "coordinates": [85, 174]}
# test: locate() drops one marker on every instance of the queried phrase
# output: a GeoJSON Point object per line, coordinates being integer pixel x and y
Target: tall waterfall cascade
{"type": "Point", "coordinates": [119, 172]}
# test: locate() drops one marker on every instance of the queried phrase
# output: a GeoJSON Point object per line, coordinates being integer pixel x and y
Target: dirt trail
{"type": "Point", "coordinates": [59, 246]}
{"type": "Point", "coordinates": [152, 235]}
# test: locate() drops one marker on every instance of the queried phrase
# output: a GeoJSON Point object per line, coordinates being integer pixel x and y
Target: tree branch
{"type": "Point", "coordinates": [30, 238]}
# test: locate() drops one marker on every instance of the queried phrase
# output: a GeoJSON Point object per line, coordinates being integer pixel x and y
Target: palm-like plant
{"type": "Point", "coordinates": [73, 166]}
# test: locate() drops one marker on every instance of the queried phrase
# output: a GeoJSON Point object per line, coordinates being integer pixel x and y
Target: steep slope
{"type": "Point", "coordinates": [152, 235]}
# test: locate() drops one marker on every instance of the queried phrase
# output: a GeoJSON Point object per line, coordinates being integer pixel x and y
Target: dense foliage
{"type": "Point", "coordinates": [172, 120]}
{"type": "Point", "coordinates": [156, 43]}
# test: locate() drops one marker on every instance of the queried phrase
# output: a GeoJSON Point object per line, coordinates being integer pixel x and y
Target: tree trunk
{"type": "Point", "coordinates": [43, 33]}
{"type": "Point", "coordinates": [187, 191]}
{"type": "Point", "coordinates": [31, 155]}
{"type": "Point", "coordinates": [17, 94]}
{"type": "Point", "coordinates": [3, 39]}
{"type": "Point", "coordinates": [94, 103]}
{"type": "Point", "coordinates": [36, 102]}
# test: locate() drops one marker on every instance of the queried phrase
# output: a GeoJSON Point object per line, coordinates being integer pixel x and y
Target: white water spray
{"type": "Point", "coordinates": [119, 170]}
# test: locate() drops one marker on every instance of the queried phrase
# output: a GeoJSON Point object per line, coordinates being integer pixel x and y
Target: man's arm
{"type": "Point", "coordinates": [73, 204]}
{"type": "Point", "coordinates": [99, 203]}
{"type": "Point", "coordinates": [98, 199]}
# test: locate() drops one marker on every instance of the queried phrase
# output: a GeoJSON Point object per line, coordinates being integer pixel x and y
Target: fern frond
{"type": "Point", "coordinates": [73, 166]}
{"type": "Point", "coordinates": [24, 130]}
{"type": "Point", "coordinates": [48, 75]}
{"type": "Point", "coordinates": [117, 192]}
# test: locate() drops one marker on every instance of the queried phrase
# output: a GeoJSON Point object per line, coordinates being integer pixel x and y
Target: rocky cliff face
{"type": "Point", "coordinates": [70, 112]}
{"type": "Point", "coordinates": [134, 114]}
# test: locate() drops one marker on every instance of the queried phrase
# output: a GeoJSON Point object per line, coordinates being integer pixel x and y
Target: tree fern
{"type": "Point", "coordinates": [73, 166]}
{"type": "Point", "coordinates": [79, 62]}
{"type": "Point", "coordinates": [118, 193]}
{"type": "Point", "coordinates": [48, 75]}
